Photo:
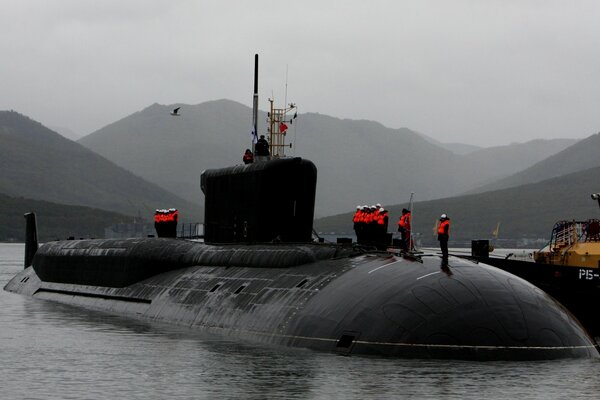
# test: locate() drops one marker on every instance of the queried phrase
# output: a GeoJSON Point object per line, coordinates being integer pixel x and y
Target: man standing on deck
{"type": "Point", "coordinates": [404, 229]}
{"type": "Point", "coordinates": [444, 235]}
{"type": "Point", "coordinates": [261, 148]}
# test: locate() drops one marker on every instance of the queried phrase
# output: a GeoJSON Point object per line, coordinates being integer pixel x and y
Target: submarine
{"type": "Point", "coordinates": [259, 275]}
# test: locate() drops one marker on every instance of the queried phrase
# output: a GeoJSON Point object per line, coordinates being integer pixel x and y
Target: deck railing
{"type": "Point", "coordinates": [191, 230]}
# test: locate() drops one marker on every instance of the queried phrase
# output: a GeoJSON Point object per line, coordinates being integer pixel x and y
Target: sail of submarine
{"type": "Point", "coordinates": [264, 279]}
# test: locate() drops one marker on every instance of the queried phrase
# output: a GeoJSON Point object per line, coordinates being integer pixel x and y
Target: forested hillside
{"type": "Point", "coordinates": [38, 163]}
{"type": "Point", "coordinates": [524, 212]}
{"type": "Point", "coordinates": [55, 221]}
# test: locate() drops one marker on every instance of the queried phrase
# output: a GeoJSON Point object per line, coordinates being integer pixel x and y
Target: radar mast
{"type": "Point", "coordinates": [278, 126]}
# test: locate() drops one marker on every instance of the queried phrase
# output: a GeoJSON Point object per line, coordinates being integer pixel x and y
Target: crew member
{"type": "Point", "coordinates": [382, 238]}
{"type": "Point", "coordinates": [382, 221]}
{"type": "Point", "coordinates": [165, 222]}
{"type": "Point", "coordinates": [371, 223]}
{"type": "Point", "coordinates": [357, 223]}
{"type": "Point", "coordinates": [404, 229]}
{"type": "Point", "coordinates": [444, 234]}
{"type": "Point", "coordinates": [172, 219]}
{"type": "Point", "coordinates": [248, 157]}
{"type": "Point", "coordinates": [261, 148]}
{"type": "Point", "coordinates": [157, 222]}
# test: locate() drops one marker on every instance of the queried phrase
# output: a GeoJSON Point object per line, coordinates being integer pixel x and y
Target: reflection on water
{"type": "Point", "coordinates": [53, 351]}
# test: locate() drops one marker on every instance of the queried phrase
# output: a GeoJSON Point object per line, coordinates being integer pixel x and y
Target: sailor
{"type": "Point", "coordinates": [261, 148]}
{"type": "Point", "coordinates": [404, 229]}
{"type": "Point", "coordinates": [172, 216]}
{"type": "Point", "coordinates": [444, 234]}
{"type": "Point", "coordinates": [248, 157]}
{"type": "Point", "coordinates": [356, 221]}
{"type": "Point", "coordinates": [371, 223]}
{"type": "Point", "coordinates": [382, 222]}
{"type": "Point", "coordinates": [157, 221]}
{"type": "Point", "coordinates": [363, 224]}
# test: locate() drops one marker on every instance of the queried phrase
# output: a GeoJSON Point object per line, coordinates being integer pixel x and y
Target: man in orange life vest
{"type": "Point", "coordinates": [165, 222]}
{"type": "Point", "coordinates": [444, 234]}
{"type": "Point", "coordinates": [404, 229]}
{"type": "Point", "coordinates": [248, 157]}
{"type": "Point", "coordinates": [382, 222]}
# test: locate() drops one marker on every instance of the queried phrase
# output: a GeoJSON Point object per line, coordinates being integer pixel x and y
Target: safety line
{"type": "Point", "coordinates": [425, 276]}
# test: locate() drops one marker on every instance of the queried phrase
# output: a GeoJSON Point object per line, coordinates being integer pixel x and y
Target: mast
{"type": "Point", "coordinates": [255, 104]}
{"type": "Point", "coordinates": [277, 121]}
{"type": "Point", "coordinates": [411, 243]}
{"type": "Point", "coordinates": [278, 127]}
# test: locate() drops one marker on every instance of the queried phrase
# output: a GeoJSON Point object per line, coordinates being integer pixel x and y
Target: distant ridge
{"type": "Point", "coordinates": [173, 151]}
{"type": "Point", "coordinates": [55, 221]}
{"type": "Point", "coordinates": [580, 156]}
{"type": "Point", "coordinates": [456, 148]}
{"type": "Point", "coordinates": [516, 156]}
{"type": "Point", "coordinates": [524, 212]}
{"type": "Point", "coordinates": [38, 163]}
{"type": "Point", "coordinates": [358, 161]}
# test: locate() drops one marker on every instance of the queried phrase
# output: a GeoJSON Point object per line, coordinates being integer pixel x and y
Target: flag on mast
{"type": "Point", "coordinates": [254, 136]}
{"type": "Point", "coordinates": [282, 127]}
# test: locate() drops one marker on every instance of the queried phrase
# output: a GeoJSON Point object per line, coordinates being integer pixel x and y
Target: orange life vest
{"type": "Point", "coordinates": [442, 227]}
{"type": "Point", "coordinates": [405, 221]}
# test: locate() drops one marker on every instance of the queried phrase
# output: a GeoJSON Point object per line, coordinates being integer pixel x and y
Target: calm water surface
{"type": "Point", "coordinates": [52, 351]}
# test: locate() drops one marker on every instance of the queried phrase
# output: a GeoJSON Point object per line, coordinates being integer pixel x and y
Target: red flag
{"type": "Point", "coordinates": [282, 127]}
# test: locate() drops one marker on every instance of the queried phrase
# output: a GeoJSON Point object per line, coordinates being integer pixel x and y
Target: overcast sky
{"type": "Point", "coordinates": [483, 72]}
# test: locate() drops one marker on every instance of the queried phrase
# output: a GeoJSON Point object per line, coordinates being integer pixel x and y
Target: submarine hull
{"type": "Point", "coordinates": [322, 297]}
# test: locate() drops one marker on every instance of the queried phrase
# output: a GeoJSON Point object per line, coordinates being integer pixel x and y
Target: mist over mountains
{"type": "Point", "coordinates": [580, 156]}
{"type": "Point", "coordinates": [359, 161]}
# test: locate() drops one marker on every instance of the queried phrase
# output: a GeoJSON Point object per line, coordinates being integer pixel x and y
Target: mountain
{"type": "Point", "coordinates": [66, 132]}
{"type": "Point", "coordinates": [358, 161]}
{"type": "Point", "coordinates": [516, 156]}
{"type": "Point", "coordinates": [456, 148]}
{"type": "Point", "coordinates": [460, 148]}
{"type": "Point", "coordinates": [54, 221]}
{"type": "Point", "coordinates": [38, 163]}
{"type": "Point", "coordinates": [173, 151]}
{"type": "Point", "coordinates": [577, 157]}
{"type": "Point", "coordinates": [525, 212]}
{"type": "Point", "coordinates": [362, 160]}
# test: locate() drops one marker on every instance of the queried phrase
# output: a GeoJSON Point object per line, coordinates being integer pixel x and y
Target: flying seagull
{"type": "Point", "coordinates": [175, 112]}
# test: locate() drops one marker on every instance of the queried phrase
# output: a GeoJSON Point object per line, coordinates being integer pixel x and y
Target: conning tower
{"type": "Point", "coordinates": [269, 200]}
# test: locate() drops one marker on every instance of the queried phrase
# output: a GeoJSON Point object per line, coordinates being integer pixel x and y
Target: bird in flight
{"type": "Point", "coordinates": [175, 112]}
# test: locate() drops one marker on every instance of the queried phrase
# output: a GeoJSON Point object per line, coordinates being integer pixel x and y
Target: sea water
{"type": "Point", "coordinates": [53, 351]}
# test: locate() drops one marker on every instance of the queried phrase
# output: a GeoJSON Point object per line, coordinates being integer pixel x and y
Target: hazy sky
{"type": "Point", "coordinates": [484, 72]}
